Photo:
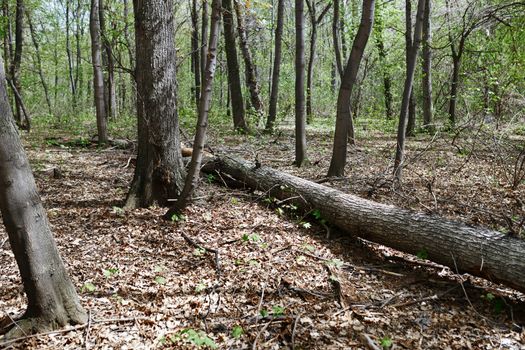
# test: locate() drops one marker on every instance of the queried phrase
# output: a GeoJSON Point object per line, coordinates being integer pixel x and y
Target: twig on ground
{"type": "Point", "coordinates": [369, 342]}
{"type": "Point", "coordinates": [432, 297]}
{"type": "Point", "coordinates": [200, 246]}
{"type": "Point", "coordinates": [254, 345]}
{"type": "Point", "coordinates": [294, 329]}
{"type": "Point", "coordinates": [86, 338]}
{"type": "Point", "coordinates": [260, 301]}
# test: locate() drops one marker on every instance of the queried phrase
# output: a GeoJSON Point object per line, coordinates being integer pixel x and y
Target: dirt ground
{"type": "Point", "coordinates": [236, 274]}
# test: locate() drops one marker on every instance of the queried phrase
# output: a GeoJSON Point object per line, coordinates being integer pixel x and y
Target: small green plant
{"type": "Point", "coordinates": [234, 201]}
{"type": "Point", "coordinates": [279, 211]}
{"type": "Point", "coordinates": [422, 254]}
{"type": "Point", "coordinates": [305, 224]}
{"type": "Point", "coordinates": [335, 262]}
{"type": "Point", "coordinates": [118, 211]}
{"type": "Point", "coordinates": [199, 251]}
{"type": "Point", "coordinates": [110, 272]}
{"type": "Point", "coordinates": [88, 287]}
{"type": "Point", "coordinates": [309, 247]}
{"type": "Point", "coordinates": [200, 287]}
{"type": "Point", "coordinates": [237, 331]}
{"type": "Point", "coordinates": [210, 178]}
{"type": "Point", "coordinates": [197, 338]}
{"type": "Point", "coordinates": [264, 313]}
{"type": "Point", "coordinates": [277, 310]}
{"type": "Point", "coordinates": [177, 217]}
{"type": "Point", "coordinates": [160, 280]}
{"type": "Point", "coordinates": [386, 342]}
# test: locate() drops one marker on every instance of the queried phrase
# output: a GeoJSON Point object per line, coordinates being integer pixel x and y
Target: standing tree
{"type": "Point", "coordinates": [234, 79]}
{"type": "Point", "coordinates": [276, 72]}
{"type": "Point", "coordinates": [336, 21]}
{"type": "Point", "coordinates": [159, 174]}
{"type": "Point", "coordinates": [409, 42]}
{"type": "Point", "coordinates": [344, 127]}
{"type": "Point", "coordinates": [98, 77]}
{"type": "Point", "coordinates": [427, 69]}
{"type": "Point", "coordinates": [314, 21]}
{"type": "Point", "coordinates": [300, 117]}
{"type": "Point", "coordinates": [407, 92]}
{"type": "Point", "coordinates": [195, 52]}
{"type": "Point", "coordinates": [249, 65]}
{"type": "Point", "coordinates": [51, 297]}
{"type": "Point", "coordinates": [380, 43]}
{"type": "Point", "coordinates": [204, 107]}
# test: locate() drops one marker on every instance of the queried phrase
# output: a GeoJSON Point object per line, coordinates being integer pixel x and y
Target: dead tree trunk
{"type": "Point", "coordinates": [478, 251]}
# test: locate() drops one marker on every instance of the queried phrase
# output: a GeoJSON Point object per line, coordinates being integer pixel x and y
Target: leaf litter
{"type": "Point", "coordinates": [273, 283]}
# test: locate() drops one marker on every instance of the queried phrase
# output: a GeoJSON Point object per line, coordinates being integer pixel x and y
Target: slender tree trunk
{"type": "Point", "coordinates": [249, 64]}
{"type": "Point", "coordinates": [21, 119]}
{"type": "Point", "coordinates": [344, 124]}
{"type": "Point", "coordinates": [456, 65]}
{"type": "Point", "coordinates": [70, 56]}
{"type": "Point", "coordinates": [234, 80]}
{"type": "Point", "coordinates": [276, 73]}
{"type": "Point", "coordinates": [192, 177]}
{"type": "Point", "coordinates": [131, 57]}
{"type": "Point", "coordinates": [98, 77]}
{"type": "Point", "coordinates": [387, 79]}
{"type": "Point", "coordinates": [427, 69]}
{"type": "Point", "coordinates": [51, 297]}
{"type": "Point", "coordinates": [409, 42]}
{"type": "Point", "coordinates": [300, 117]}
{"type": "Point", "coordinates": [411, 68]}
{"type": "Point", "coordinates": [39, 62]}
{"type": "Point", "coordinates": [195, 52]}
{"type": "Point", "coordinates": [204, 39]}
{"type": "Point", "coordinates": [108, 61]}
{"type": "Point", "coordinates": [78, 41]}
{"type": "Point", "coordinates": [335, 37]}
{"type": "Point", "coordinates": [159, 174]}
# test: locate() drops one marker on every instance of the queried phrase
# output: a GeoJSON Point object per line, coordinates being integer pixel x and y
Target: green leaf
{"type": "Point", "coordinates": [316, 214]}
{"type": "Point", "coordinates": [160, 280]}
{"type": "Point", "coordinates": [277, 310]}
{"type": "Point", "coordinates": [386, 342]}
{"type": "Point", "coordinates": [264, 313]}
{"type": "Point", "coordinates": [306, 225]}
{"type": "Point", "coordinates": [88, 287]}
{"type": "Point", "coordinates": [237, 331]}
{"type": "Point", "coordinates": [422, 254]}
{"type": "Point", "coordinates": [200, 287]}
{"type": "Point", "coordinates": [335, 262]}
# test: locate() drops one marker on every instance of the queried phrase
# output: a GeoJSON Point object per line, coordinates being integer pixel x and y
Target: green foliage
{"type": "Point", "coordinates": [111, 272]}
{"type": "Point", "coordinates": [237, 332]}
{"type": "Point", "coordinates": [197, 338]}
{"type": "Point", "coordinates": [422, 254]}
{"type": "Point", "coordinates": [160, 280]}
{"type": "Point", "coordinates": [386, 342]}
{"type": "Point", "coordinates": [178, 217]}
{"type": "Point", "coordinates": [88, 287]}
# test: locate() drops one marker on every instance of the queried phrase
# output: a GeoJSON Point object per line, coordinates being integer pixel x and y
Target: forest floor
{"type": "Point", "coordinates": [261, 279]}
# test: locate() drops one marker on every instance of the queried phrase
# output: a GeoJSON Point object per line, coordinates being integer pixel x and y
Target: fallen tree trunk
{"type": "Point", "coordinates": [481, 252]}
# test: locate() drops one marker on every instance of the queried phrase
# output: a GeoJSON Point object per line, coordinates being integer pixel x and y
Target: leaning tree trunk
{"type": "Point", "coordinates": [300, 117]}
{"type": "Point", "coordinates": [234, 79]}
{"type": "Point", "coordinates": [407, 92]}
{"type": "Point", "coordinates": [335, 38]}
{"type": "Point", "coordinates": [478, 251]}
{"type": "Point", "coordinates": [409, 42]}
{"type": "Point", "coordinates": [276, 72]}
{"type": "Point", "coordinates": [344, 125]}
{"type": "Point", "coordinates": [195, 52]}
{"type": "Point", "coordinates": [192, 177]}
{"type": "Point", "coordinates": [98, 76]}
{"type": "Point", "coordinates": [159, 174]}
{"type": "Point", "coordinates": [20, 117]}
{"type": "Point", "coordinates": [52, 301]}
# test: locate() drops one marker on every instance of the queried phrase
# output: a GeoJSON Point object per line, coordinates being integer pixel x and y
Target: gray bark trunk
{"type": "Point", "coordinates": [98, 77]}
{"type": "Point", "coordinates": [344, 124]}
{"type": "Point", "coordinates": [276, 72]}
{"type": "Point", "coordinates": [478, 251]}
{"type": "Point", "coordinates": [427, 68]}
{"type": "Point", "coordinates": [300, 117]}
{"type": "Point", "coordinates": [51, 297]}
{"type": "Point", "coordinates": [159, 174]}
{"type": "Point", "coordinates": [234, 80]}
{"type": "Point", "coordinates": [192, 177]}
{"type": "Point", "coordinates": [407, 92]}
{"type": "Point", "coordinates": [409, 42]}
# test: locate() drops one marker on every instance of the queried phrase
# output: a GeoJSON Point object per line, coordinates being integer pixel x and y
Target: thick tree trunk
{"type": "Point", "coordinates": [300, 117]}
{"type": "Point", "coordinates": [159, 174]}
{"type": "Point", "coordinates": [407, 92]}
{"type": "Point", "coordinates": [344, 125]}
{"type": "Point", "coordinates": [192, 177]}
{"type": "Point", "coordinates": [276, 73]}
{"type": "Point", "coordinates": [427, 68]}
{"type": "Point", "coordinates": [478, 251]}
{"type": "Point", "coordinates": [234, 79]}
{"type": "Point", "coordinates": [51, 297]}
{"type": "Point", "coordinates": [98, 77]}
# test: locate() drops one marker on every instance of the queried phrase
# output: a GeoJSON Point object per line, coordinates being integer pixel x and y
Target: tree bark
{"type": "Point", "coordinates": [249, 65]}
{"type": "Point", "coordinates": [72, 84]}
{"type": "Point", "coordinates": [204, 39]}
{"type": "Point", "coordinates": [192, 177]}
{"type": "Point", "coordinates": [98, 77]}
{"type": "Point", "coordinates": [335, 37]}
{"type": "Point", "coordinates": [344, 125]}
{"type": "Point", "coordinates": [427, 68]}
{"type": "Point", "coordinates": [478, 251]}
{"type": "Point", "coordinates": [159, 174]}
{"type": "Point", "coordinates": [409, 42]}
{"type": "Point", "coordinates": [407, 92]}
{"type": "Point", "coordinates": [51, 297]}
{"type": "Point", "coordinates": [234, 80]}
{"type": "Point", "coordinates": [195, 52]}
{"type": "Point", "coordinates": [22, 119]}
{"type": "Point", "coordinates": [110, 92]}
{"type": "Point", "coordinates": [276, 72]}
{"type": "Point", "coordinates": [300, 117]}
